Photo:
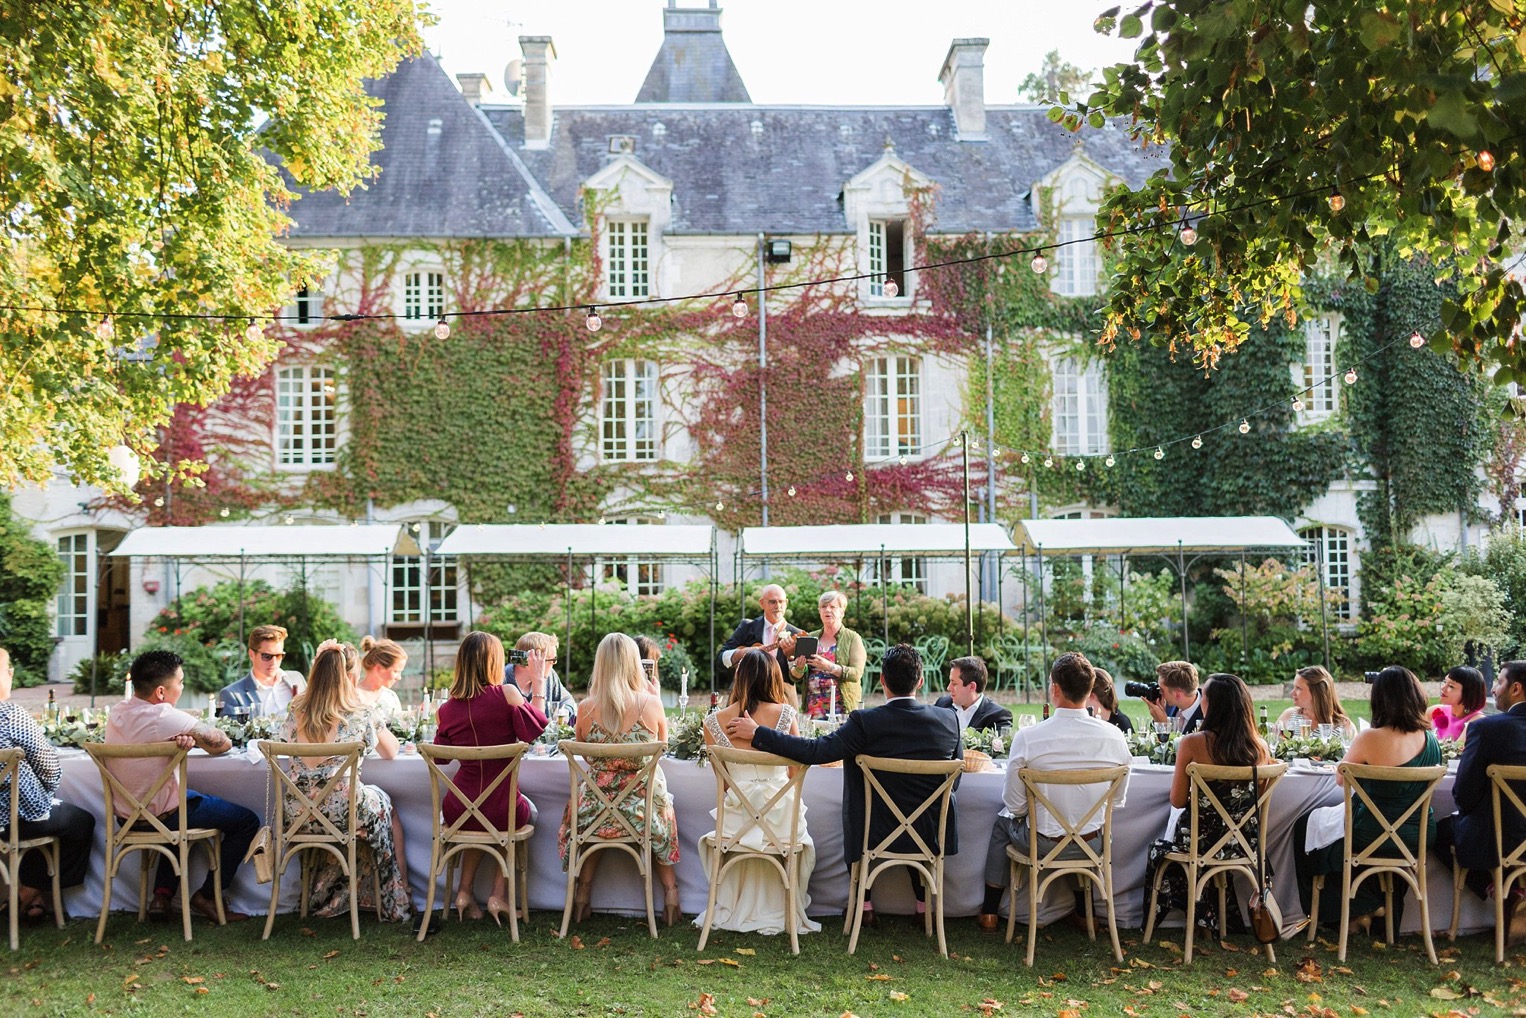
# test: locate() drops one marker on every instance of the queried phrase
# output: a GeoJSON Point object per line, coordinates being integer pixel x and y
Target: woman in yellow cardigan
{"type": "Point", "coordinates": [833, 676]}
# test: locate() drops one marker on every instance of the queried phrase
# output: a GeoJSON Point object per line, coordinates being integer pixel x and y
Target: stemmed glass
{"type": "Point", "coordinates": [1162, 737]}
{"type": "Point", "coordinates": [1026, 720]}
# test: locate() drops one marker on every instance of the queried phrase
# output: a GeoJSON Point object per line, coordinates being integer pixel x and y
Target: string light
{"type": "Point", "coordinates": [1189, 235]}
{"type": "Point", "coordinates": [1245, 425]}
{"type": "Point", "coordinates": [792, 491]}
{"type": "Point", "coordinates": [1486, 160]}
{"type": "Point", "coordinates": [1416, 341]}
{"type": "Point", "coordinates": [1080, 464]}
{"type": "Point", "coordinates": [289, 519]}
{"type": "Point", "coordinates": [1337, 200]}
{"type": "Point", "coordinates": [223, 512]}
{"type": "Point", "coordinates": [254, 333]}
{"type": "Point", "coordinates": [442, 329]}
{"type": "Point", "coordinates": [593, 321]}
{"type": "Point", "coordinates": [901, 459]}
{"type": "Point", "coordinates": [1298, 404]}
{"type": "Point", "coordinates": [159, 503]}
{"type": "Point", "coordinates": [104, 330]}
{"type": "Point", "coordinates": [850, 477]}
{"type": "Point", "coordinates": [1109, 461]}
{"type": "Point", "coordinates": [1197, 442]}
{"type": "Point", "coordinates": [1351, 376]}
{"type": "Point", "coordinates": [720, 506]}
{"type": "Point", "coordinates": [739, 307]}
{"type": "Point", "coordinates": [1040, 264]}
{"type": "Point", "coordinates": [1160, 453]}
{"type": "Point", "coordinates": [1048, 462]}
{"type": "Point", "coordinates": [890, 288]}
{"type": "Point", "coordinates": [602, 521]}
{"type": "Point", "coordinates": [1027, 459]}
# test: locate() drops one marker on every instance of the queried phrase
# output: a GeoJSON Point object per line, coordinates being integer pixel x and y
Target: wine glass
{"type": "Point", "coordinates": [1026, 721]}
{"type": "Point", "coordinates": [1162, 736]}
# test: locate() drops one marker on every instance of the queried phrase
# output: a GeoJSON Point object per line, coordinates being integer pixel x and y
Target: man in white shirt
{"type": "Point", "coordinates": [1070, 740]}
{"type": "Point", "coordinates": [266, 689]}
{"type": "Point", "coordinates": [768, 632]}
{"type": "Point", "coordinates": [1179, 696]}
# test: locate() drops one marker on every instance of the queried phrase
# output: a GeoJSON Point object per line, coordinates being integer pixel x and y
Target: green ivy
{"type": "Point", "coordinates": [30, 572]}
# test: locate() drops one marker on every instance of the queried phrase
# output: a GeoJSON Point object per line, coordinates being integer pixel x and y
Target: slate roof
{"type": "Point", "coordinates": [450, 179]}
{"type": "Point", "coordinates": [693, 65]}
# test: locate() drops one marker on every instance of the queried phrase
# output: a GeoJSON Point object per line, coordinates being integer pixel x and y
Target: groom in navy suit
{"type": "Point", "coordinates": [1497, 739]}
{"type": "Point", "coordinates": [902, 728]}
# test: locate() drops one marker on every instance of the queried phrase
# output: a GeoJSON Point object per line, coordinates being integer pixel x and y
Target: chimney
{"type": "Point", "coordinates": [539, 53]}
{"type": "Point", "coordinates": [475, 88]}
{"type": "Point", "coordinates": [964, 88]}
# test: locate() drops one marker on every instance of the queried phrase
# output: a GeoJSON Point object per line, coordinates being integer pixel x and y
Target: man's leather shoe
{"type": "Point", "coordinates": [207, 909]}
{"type": "Point", "coordinates": [988, 922]}
{"type": "Point", "coordinates": [1515, 919]}
{"type": "Point", "coordinates": [159, 907]}
{"type": "Point", "coordinates": [1076, 920]}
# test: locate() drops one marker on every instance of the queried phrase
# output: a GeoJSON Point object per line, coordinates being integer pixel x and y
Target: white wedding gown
{"type": "Point", "coordinates": [751, 898]}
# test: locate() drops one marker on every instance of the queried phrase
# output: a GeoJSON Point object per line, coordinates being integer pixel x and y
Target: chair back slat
{"type": "Point", "coordinates": [1388, 848]}
{"type": "Point", "coordinates": [309, 805]}
{"type": "Point", "coordinates": [1107, 778]}
{"type": "Point", "coordinates": [608, 814]}
{"type": "Point", "coordinates": [125, 809]}
{"type": "Point", "coordinates": [1502, 791]}
{"type": "Point", "coordinates": [874, 790]}
{"type": "Point", "coordinates": [1234, 841]}
{"type": "Point", "coordinates": [722, 760]}
{"type": "Point", "coordinates": [442, 788]}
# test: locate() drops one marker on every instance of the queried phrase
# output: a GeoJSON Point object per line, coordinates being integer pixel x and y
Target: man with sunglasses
{"type": "Point", "coordinates": [266, 689]}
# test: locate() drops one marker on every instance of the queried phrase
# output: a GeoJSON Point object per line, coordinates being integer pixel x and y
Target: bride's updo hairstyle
{"type": "Point", "coordinates": [758, 680]}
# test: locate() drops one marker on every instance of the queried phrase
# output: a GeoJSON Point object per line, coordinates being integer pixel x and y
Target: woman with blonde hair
{"type": "Point", "coordinates": [619, 709]}
{"type": "Point", "coordinates": [484, 710]}
{"type": "Point", "coordinates": [1315, 702]}
{"type": "Point", "coordinates": [381, 666]}
{"type": "Point", "coordinates": [835, 673]}
{"type": "Point", "coordinates": [329, 710]}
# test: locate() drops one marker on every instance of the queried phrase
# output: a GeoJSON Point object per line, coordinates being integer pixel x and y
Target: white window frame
{"type": "Point", "coordinates": [1079, 407]}
{"type": "Point", "coordinates": [893, 406]}
{"type": "Point", "coordinates": [643, 577]}
{"type": "Point", "coordinates": [629, 402]}
{"type": "Point", "coordinates": [307, 417]}
{"type": "Point", "coordinates": [879, 265]}
{"type": "Point", "coordinates": [1336, 546]}
{"type": "Point", "coordinates": [1315, 376]}
{"type": "Point", "coordinates": [627, 258]}
{"type": "Point", "coordinates": [407, 590]}
{"type": "Point", "coordinates": [72, 606]}
{"type": "Point", "coordinates": [423, 295]}
{"type": "Point", "coordinates": [1077, 267]}
{"type": "Point", "coordinates": [908, 570]}
{"type": "Point", "coordinates": [307, 307]}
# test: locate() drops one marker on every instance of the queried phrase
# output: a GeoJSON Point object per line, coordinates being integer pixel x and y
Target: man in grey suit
{"type": "Point", "coordinates": [266, 689]}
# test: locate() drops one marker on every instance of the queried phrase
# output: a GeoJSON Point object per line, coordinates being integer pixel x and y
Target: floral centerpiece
{"type": "Point", "coordinates": [1309, 747]}
{"type": "Point", "coordinates": [1147, 744]}
{"type": "Point", "coordinates": [404, 724]}
{"type": "Point", "coordinates": [686, 737]}
{"type": "Point", "coordinates": [242, 731]}
{"type": "Point", "coordinates": [73, 732]}
{"type": "Point", "coordinates": [559, 731]}
{"type": "Point", "coordinates": [985, 740]}
{"type": "Point", "coordinates": [1451, 749]}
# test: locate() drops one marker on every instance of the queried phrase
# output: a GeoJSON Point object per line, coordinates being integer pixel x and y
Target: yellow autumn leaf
{"type": "Point", "coordinates": [898, 995]}
{"type": "Point", "coordinates": [747, 951]}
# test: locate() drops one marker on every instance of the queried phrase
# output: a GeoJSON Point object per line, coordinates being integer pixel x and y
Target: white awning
{"type": "Point", "coordinates": [867, 540]}
{"type": "Point", "coordinates": [556, 540]}
{"type": "Point", "coordinates": [1190, 535]}
{"type": "Point", "coordinates": [266, 542]}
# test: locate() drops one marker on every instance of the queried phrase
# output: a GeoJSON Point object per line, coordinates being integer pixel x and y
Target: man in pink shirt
{"type": "Point", "coordinates": [150, 715]}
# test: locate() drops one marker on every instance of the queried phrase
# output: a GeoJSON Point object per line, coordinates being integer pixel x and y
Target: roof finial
{"type": "Point", "coordinates": [889, 146]}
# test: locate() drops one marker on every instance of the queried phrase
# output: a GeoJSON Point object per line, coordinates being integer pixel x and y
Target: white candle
{"type": "Point", "coordinates": [832, 710]}
{"type": "Point", "coordinates": [683, 683]}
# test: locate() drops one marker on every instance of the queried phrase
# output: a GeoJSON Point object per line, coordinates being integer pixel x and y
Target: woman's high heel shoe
{"type": "Point", "coordinates": [670, 909]}
{"type": "Point", "coordinates": [466, 907]}
{"type": "Point", "coordinates": [497, 908]}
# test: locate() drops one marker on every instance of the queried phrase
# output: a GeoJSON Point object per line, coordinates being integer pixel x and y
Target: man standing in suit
{"type": "Point", "coordinates": [1178, 695]}
{"type": "Point", "coordinates": [768, 632]}
{"type": "Point", "coordinates": [902, 728]}
{"type": "Point", "coordinates": [966, 698]}
{"type": "Point", "coordinates": [1495, 739]}
{"type": "Point", "coordinates": [266, 689]}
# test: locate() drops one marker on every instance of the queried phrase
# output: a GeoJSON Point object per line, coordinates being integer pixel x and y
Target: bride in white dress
{"type": "Point", "coordinates": [751, 898]}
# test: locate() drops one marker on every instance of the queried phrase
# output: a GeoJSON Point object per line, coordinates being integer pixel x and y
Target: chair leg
{"type": "Point", "coordinates": [1033, 911]}
{"type": "Point", "coordinates": [1154, 901]}
{"type": "Point", "coordinates": [1456, 900]}
{"type": "Point", "coordinates": [433, 882]}
{"type": "Point", "coordinates": [1091, 916]}
{"type": "Point", "coordinates": [58, 896]}
{"type": "Point", "coordinates": [936, 893]}
{"type": "Point", "coordinates": [847, 917]}
{"type": "Point", "coordinates": [1319, 885]}
{"type": "Point", "coordinates": [646, 867]}
{"type": "Point", "coordinates": [792, 905]}
{"type": "Point", "coordinates": [574, 865]}
{"type": "Point", "coordinates": [13, 895]}
{"type": "Point", "coordinates": [1345, 912]}
{"type": "Point", "coordinates": [856, 905]}
{"type": "Point", "coordinates": [1012, 875]}
{"type": "Point", "coordinates": [713, 853]}
{"type": "Point", "coordinates": [184, 865]}
{"type": "Point", "coordinates": [1388, 909]}
{"type": "Point", "coordinates": [143, 860]}
{"type": "Point", "coordinates": [275, 889]}
{"type": "Point", "coordinates": [1500, 932]}
{"type": "Point", "coordinates": [354, 876]}
{"type": "Point", "coordinates": [1425, 913]}
{"type": "Point", "coordinates": [1112, 918]}
{"type": "Point", "coordinates": [112, 861]}
{"type": "Point", "coordinates": [215, 850]}
{"type": "Point", "coordinates": [1221, 882]}
{"type": "Point", "coordinates": [511, 885]}
{"type": "Point", "coordinates": [1192, 892]}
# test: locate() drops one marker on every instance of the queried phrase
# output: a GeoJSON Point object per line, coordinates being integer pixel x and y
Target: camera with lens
{"type": "Point", "coordinates": [1143, 690]}
{"type": "Point", "coordinates": [519, 657]}
{"type": "Point", "coordinates": [1370, 677]}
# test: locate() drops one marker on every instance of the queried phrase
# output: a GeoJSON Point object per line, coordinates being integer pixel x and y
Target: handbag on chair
{"type": "Point", "coordinates": [1265, 915]}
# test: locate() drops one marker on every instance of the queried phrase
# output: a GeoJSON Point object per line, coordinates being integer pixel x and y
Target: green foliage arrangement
{"type": "Point", "coordinates": [108, 672]}
{"type": "Point", "coordinates": [1503, 560]}
{"type": "Point", "coordinates": [30, 573]}
{"type": "Point", "coordinates": [1125, 655]}
{"type": "Point", "coordinates": [210, 616]}
{"type": "Point", "coordinates": [686, 736]}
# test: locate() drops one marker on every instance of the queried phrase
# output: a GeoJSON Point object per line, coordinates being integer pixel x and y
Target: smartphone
{"type": "Point", "coordinates": [649, 666]}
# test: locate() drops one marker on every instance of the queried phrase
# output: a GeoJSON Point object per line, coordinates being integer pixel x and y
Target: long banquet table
{"type": "Point", "coordinates": [240, 778]}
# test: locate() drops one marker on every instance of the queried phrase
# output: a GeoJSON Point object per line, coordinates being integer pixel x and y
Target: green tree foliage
{"type": "Point", "coordinates": [1270, 110]}
{"type": "Point", "coordinates": [30, 573]}
{"type": "Point", "coordinates": [138, 179]}
{"type": "Point", "coordinates": [1054, 79]}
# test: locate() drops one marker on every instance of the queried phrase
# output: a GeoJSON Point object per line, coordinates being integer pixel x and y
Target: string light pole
{"type": "Point", "coordinates": [969, 602]}
{"type": "Point", "coordinates": [762, 381]}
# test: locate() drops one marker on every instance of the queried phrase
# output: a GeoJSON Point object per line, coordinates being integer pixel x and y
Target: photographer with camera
{"type": "Point", "coordinates": [1174, 694]}
{"type": "Point", "coordinates": [532, 656]}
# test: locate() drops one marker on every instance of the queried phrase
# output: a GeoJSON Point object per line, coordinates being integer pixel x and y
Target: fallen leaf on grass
{"type": "Point", "coordinates": [1446, 993]}
{"type": "Point", "coordinates": [576, 943]}
{"type": "Point", "coordinates": [272, 986]}
{"type": "Point", "coordinates": [1139, 963]}
{"type": "Point", "coordinates": [755, 1002]}
{"type": "Point", "coordinates": [748, 951]}
{"type": "Point", "coordinates": [1308, 971]}
{"type": "Point", "coordinates": [730, 961]}
{"type": "Point", "coordinates": [1066, 1012]}
{"type": "Point", "coordinates": [331, 954]}
{"type": "Point", "coordinates": [132, 977]}
{"type": "Point", "coordinates": [202, 989]}
{"type": "Point", "coordinates": [897, 995]}
{"type": "Point", "coordinates": [1237, 995]}
{"type": "Point", "coordinates": [878, 977]}
{"type": "Point", "coordinates": [989, 1005]}
{"type": "Point", "coordinates": [1358, 1011]}
{"type": "Point", "coordinates": [603, 942]}
{"type": "Point", "coordinates": [192, 980]}
{"type": "Point", "coordinates": [308, 933]}
{"type": "Point", "coordinates": [705, 1004]}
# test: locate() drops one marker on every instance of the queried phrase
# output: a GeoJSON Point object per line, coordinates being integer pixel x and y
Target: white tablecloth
{"type": "Point", "coordinates": [545, 781]}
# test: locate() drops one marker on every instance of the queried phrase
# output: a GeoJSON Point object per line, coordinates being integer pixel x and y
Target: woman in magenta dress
{"type": "Point", "coordinates": [1462, 702]}
{"type": "Point", "coordinates": [482, 711]}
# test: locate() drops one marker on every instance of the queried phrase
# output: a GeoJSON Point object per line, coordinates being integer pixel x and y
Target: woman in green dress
{"type": "Point", "coordinates": [836, 667]}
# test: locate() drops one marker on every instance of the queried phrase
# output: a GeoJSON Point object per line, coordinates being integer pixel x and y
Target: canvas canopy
{"type": "Point", "coordinates": [866, 540]}
{"type": "Point", "coordinates": [284, 542]}
{"type": "Point", "coordinates": [1156, 535]}
{"type": "Point", "coordinates": [578, 539]}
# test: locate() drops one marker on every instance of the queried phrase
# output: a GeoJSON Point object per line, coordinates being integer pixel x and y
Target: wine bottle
{"type": "Point", "coordinates": [1046, 710]}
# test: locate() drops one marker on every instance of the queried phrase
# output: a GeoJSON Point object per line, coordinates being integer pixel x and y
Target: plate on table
{"type": "Point", "coordinates": [1156, 767]}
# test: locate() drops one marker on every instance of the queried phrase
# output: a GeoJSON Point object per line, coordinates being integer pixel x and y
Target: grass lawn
{"type": "Point", "coordinates": [312, 967]}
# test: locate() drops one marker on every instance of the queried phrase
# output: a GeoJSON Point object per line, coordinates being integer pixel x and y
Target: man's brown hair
{"type": "Point", "coordinates": [1180, 675]}
{"type": "Point", "coordinates": [259, 634]}
{"type": "Point", "coordinates": [1073, 673]}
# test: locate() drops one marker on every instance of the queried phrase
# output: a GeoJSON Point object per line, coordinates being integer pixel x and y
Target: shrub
{"type": "Point", "coordinates": [1124, 655]}
{"type": "Point", "coordinates": [110, 671]}
{"type": "Point", "coordinates": [210, 616]}
{"type": "Point", "coordinates": [30, 572]}
{"type": "Point", "coordinates": [1503, 560]}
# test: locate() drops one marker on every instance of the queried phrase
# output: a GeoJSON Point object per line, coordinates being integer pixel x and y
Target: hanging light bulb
{"type": "Point", "coordinates": [1245, 426]}
{"type": "Point", "coordinates": [1109, 461]}
{"type": "Point", "coordinates": [442, 329]}
{"type": "Point", "coordinates": [602, 521]}
{"type": "Point", "coordinates": [593, 321]}
{"type": "Point", "coordinates": [1351, 376]}
{"type": "Point", "coordinates": [891, 289]}
{"type": "Point", "coordinates": [126, 463]}
{"type": "Point", "coordinates": [662, 514]}
{"type": "Point", "coordinates": [1040, 264]}
{"type": "Point", "coordinates": [739, 307]}
{"type": "Point", "coordinates": [1160, 453]}
{"type": "Point", "coordinates": [543, 524]}
{"type": "Point", "coordinates": [901, 459]}
{"type": "Point", "coordinates": [792, 491]}
{"type": "Point", "coordinates": [1337, 200]}
{"type": "Point", "coordinates": [719, 505]}
{"type": "Point", "coordinates": [1048, 462]}
{"type": "Point", "coordinates": [1416, 341]}
{"type": "Point", "coordinates": [159, 502]}
{"type": "Point", "coordinates": [289, 519]}
{"type": "Point", "coordinates": [1486, 160]}
{"type": "Point", "coordinates": [1189, 235]}
{"type": "Point", "coordinates": [1197, 442]}
{"type": "Point", "coordinates": [850, 477]}
{"type": "Point", "coordinates": [254, 333]}
{"type": "Point", "coordinates": [223, 512]}
{"type": "Point", "coordinates": [1080, 465]}
{"type": "Point", "coordinates": [1027, 459]}
{"type": "Point", "coordinates": [1298, 404]}
{"type": "Point", "coordinates": [104, 330]}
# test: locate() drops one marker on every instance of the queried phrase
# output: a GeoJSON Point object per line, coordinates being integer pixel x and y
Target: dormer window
{"type": "Point", "coordinates": [626, 258]}
{"type": "Point", "coordinates": [887, 258]}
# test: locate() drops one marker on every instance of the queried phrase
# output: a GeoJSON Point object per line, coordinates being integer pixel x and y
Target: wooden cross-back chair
{"type": "Point", "coordinates": [1511, 868]}
{"type": "Point", "coordinates": [13, 846]}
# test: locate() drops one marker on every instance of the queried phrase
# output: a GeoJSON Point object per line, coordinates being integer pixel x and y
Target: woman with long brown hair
{"type": "Point", "coordinates": [381, 667]}
{"type": "Point", "coordinates": [1315, 700]}
{"type": "Point", "coordinates": [329, 710]}
{"type": "Point", "coordinates": [484, 710]}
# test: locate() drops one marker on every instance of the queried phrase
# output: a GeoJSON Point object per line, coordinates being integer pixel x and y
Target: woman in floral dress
{"type": "Point", "coordinates": [620, 710]}
{"type": "Point", "coordinates": [833, 676]}
{"type": "Point", "coordinates": [330, 711]}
